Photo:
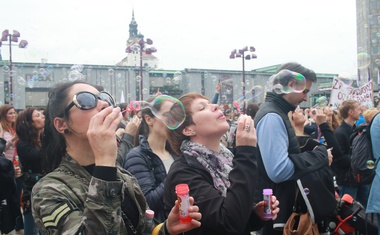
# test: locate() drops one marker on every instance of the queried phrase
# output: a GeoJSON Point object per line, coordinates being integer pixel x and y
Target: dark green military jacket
{"type": "Point", "coordinates": [70, 201]}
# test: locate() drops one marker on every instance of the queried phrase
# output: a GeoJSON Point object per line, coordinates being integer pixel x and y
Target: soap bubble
{"type": "Point", "coordinates": [168, 109]}
{"type": "Point", "coordinates": [6, 69]}
{"type": "Point", "coordinates": [252, 93]}
{"type": "Point", "coordinates": [370, 164]}
{"type": "Point", "coordinates": [320, 102]}
{"type": "Point", "coordinates": [286, 81]}
{"type": "Point", "coordinates": [21, 81]}
{"type": "Point", "coordinates": [364, 60]}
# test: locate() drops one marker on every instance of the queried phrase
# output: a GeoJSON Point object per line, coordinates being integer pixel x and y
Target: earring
{"type": "Point", "coordinates": [66, 131]}
{"type": "Point", "coordinates": [192, 132]}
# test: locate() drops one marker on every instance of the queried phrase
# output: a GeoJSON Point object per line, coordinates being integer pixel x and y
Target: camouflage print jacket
{"type": "Point", "coordinates": [70, 201]}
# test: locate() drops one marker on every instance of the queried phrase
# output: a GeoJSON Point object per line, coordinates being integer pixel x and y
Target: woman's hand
{"type": "Point", "coordinates": [218, 88]}
{"type": "Point", "coordinates": [307, 112]}
{"type": "Point", "coordinates": [102, 137]}
{"type": "Point", "coordinates": [246, 132]}
{"type": "Point", "coordinates": [158, 92]}
{"type": "Point", "coordinates": [120, 132]}
{"type": "Point", "coordinates": [259, 208]}
{"type": "Point", "coordinates": [174, 226]}
{"type": "Point", "coordinates": [318, 116]}
{"type": "Point", "coordinates": [132, 126]}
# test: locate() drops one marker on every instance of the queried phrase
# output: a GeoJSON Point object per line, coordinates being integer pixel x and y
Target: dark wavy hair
{"type": "Point", "coordinates": [143, 128]}
{"type": "Point", "coordinates": [175, 137]}
{"type": "Point", "coordinates": [25, 130]}
{"type": "Point", "coordinates": [53, 142]}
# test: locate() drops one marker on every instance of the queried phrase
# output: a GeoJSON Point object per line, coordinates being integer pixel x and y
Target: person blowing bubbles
{"type": "Point", "coordinates": [223, 184]}
{"type": "Point", "coordinates": [86, 192]}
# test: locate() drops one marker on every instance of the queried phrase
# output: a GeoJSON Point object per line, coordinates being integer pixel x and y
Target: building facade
{"type": "Point", "coordinates": [31, 82]}
{"type": "Point", "coordinates": [368, 39]}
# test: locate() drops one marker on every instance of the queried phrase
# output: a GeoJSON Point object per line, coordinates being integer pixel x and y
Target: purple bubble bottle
{"type": "Point", "coordinates": [267, 194]}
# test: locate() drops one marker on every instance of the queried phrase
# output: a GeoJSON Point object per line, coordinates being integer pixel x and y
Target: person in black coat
{"type": "Point", "coordinates": [221, 183]}
{"type": "Point", "coordinates": [9, 206]}
{"type": "Point", "coordinates": [349, 110]}
{"type": "Point", "coordinates": [152, 157]}
{"type": "Point", "coordinates": [29, 127]}
{"type": "Point", "coordinates": [308, 143]}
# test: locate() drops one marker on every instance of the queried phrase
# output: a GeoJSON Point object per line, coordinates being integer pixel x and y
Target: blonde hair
{"type": "Point", "coordinates": [296, 130]}
{"type": "Point", "coordinates": [369, 114]}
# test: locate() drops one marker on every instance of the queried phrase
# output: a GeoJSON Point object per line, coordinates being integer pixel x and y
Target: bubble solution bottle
{"type": "Point", "coordinates": [149, 224]}
{"type": "Point", "coordinates": [267, 194]}
{"type": "Point", "coordinates": [182, 191]}
{"type": "Point", "coordinates": [16, 161]}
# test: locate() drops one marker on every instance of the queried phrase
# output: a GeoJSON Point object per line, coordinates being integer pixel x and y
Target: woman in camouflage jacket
{"type": "Point", "coordinates": [85, 192]}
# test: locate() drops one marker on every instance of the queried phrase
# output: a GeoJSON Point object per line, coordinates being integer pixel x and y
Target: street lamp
{"type": "Point", "coordinates": [6, 36]}
{"type": "Point", "coordinates": [140, 46]}
{"type": "Point", "coordinates": [240, 53]}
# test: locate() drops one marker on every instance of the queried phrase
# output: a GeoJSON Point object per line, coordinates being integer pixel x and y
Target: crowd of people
{"type": "Point", "coordinates": [86, 165]}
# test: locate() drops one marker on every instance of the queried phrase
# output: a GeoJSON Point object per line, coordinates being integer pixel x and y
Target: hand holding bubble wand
{"type": "Point", "coordinates": [127, 109]}
{"type": "Point", "coordinates": [321, 102]}
{"type": "Point", "coordinates": [168, 109]}
{"type": "Point", "coordinates": [237, 106]}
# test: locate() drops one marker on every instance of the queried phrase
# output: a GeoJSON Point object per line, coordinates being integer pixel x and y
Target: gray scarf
{"type": "Point", "coordinates": [218, 165]}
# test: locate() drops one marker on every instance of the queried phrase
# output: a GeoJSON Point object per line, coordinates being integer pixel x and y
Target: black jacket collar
{"type": "Point", "coordinates": [280, 101]}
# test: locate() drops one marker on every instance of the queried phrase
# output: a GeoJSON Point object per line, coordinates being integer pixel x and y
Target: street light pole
{"type": "Point", "coordinates": [23, 43]}
{"type": "Point", "coordinates": [140, 47]}
{"type": "Point", "coordinates": [243, 74]}
{"type": "Point", "coordinates": [141, 66]}
{"type": "Point", "coordinates": [241, 53]}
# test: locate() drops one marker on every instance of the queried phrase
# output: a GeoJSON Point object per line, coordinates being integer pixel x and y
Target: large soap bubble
{"type": "Point", "coordinates": [168, 109]}
{"type": "Point", "coordinates": [286, 81]}
{"type": "Point", "coordinates": [320, 102]}
{"type": "Point", "coordinates": [249, 95]}
{"type": "Point", "coordinates": [364, 60]}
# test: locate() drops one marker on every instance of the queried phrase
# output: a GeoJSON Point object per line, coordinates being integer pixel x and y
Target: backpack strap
{"type": "Point", "coordinates": [307, 202]}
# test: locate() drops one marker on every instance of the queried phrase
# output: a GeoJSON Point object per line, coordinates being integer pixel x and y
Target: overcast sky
{"type": "Point", "coordinates": [187, 34]}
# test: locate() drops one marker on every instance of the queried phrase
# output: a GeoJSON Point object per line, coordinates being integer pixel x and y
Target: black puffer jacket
{"type": "Point", "coordinates": [150, 172]}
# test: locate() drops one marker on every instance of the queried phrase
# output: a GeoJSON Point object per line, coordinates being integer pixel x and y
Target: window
{"type": "Point", "coordinates": [36, 98]}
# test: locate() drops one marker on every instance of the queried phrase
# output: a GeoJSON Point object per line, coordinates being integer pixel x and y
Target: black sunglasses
{"type": "Point", "coordinates": [85, 100]}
